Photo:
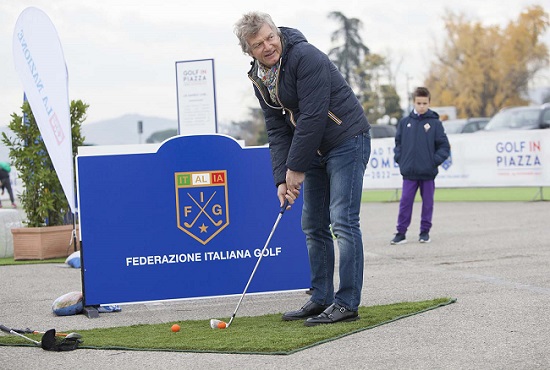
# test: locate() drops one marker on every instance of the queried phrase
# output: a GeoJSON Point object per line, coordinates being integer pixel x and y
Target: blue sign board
{"type": "Point", "coordinates": [186, 221]}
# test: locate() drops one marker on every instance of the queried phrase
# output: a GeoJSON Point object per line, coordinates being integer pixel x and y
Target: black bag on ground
{"type": "Point", "coordinates": [51, 343]}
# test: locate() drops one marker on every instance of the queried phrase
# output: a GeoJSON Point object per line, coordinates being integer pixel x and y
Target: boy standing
{"type": "Point", "coordinates": [421, 145]}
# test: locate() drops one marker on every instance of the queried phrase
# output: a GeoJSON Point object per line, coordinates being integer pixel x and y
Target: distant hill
{"type": "Point", "coordinates": [116, 131]}
{"type": "Point", "coordinates": [124, 130]}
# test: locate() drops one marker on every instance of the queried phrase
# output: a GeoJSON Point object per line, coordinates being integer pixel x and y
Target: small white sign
{"type": "Point", "coordinates": [196, 96]}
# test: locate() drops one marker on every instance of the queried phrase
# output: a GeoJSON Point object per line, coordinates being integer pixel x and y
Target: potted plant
{"type": "Point", "coordinates": [42, 199]}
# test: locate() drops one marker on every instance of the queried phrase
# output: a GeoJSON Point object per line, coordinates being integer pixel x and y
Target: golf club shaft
{"type": "Point", "coordinates": [23, 336]}
{"type": "Point", "coordinates": [283, 208]}
{"type": "Point", "coordinates": [10, 331]}
{"type": "Point", "coordinates": [30, 331]}
{"type": "Point", "coordinates": [57, 334]}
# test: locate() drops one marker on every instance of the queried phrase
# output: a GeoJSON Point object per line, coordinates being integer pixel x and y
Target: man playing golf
{"type": "Point", "coordinates": [319, 142]}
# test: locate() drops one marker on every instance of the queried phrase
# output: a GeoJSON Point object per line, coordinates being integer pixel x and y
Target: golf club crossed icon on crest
{"type": "Point", "coordinates": [201, 202]}
{"type": "Point", "coordinates": [202, 211]}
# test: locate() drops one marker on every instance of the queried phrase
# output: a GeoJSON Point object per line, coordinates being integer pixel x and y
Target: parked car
{"type": "Point", "coordinates": [521, 118]}
{"type": "Point", "coordinates": [465, 125]}
{"type": "Point", "coordinates": [380, 130]}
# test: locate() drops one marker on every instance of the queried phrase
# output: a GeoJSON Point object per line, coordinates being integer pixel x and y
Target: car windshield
{"type": "Point", "coordinates": [454, 126]}
{"type": "Point", "coordinates": [514, 119]}
{"type": "Point", "coordinates": [381, 131]}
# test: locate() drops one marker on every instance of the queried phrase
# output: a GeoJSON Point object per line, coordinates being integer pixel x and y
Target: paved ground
{"type": "Point", "coordinates": [492, 257]}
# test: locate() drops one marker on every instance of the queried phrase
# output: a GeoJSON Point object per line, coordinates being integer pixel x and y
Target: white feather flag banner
{"type": "Point", "coordinates": [40, 64]}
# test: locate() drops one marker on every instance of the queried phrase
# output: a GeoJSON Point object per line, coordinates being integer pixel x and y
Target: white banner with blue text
{"type": "Point", "coordinates": [40, 64]}
{"type": "Point", "coordinates": [481, 159]}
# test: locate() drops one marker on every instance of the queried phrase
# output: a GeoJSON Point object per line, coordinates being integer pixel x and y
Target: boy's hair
{"type": "Point", "coordinates": [421, 92]}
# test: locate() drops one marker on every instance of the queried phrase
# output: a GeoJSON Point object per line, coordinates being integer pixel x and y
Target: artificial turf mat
{"type": "Point", "coordinates": [7, 261]}
{"type": "Point", "coordinates": [266, 334]}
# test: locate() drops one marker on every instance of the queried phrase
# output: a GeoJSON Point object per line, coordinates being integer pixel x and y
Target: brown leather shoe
{"type": "Point", "coordinates": [335, 313]}
{"type": "Point", "coordinates": [310, 309]}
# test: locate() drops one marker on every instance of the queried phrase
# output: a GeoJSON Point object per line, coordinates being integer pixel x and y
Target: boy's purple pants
{"type": "Point", "coordinates": [427, 190]}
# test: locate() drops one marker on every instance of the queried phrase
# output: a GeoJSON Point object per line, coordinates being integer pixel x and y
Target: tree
{"type": "Point", "coordinates": [43, 199]}
{"type": "Point", "coordinates": [368, 74]}
{"type": "Point", "coordinates": [252, 131]}
{"type": "Point", "coordinates": [392, 102]}
{"type": "Point", "coordinates": [349, 55]}
{"type": "Point", "coordinates": [379, 96]}
{"type": "Point", "coordinates": [481, 69]}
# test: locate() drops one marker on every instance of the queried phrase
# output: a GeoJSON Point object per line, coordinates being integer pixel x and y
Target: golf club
{"type": "Point", "coordinates": [215, 323]}
{"type": "Point", "coordinates": [10, 331]}
{"type": "Point", "coordinates": [49, 342]}
{"type": "Point", "coordinates": [30, 331]}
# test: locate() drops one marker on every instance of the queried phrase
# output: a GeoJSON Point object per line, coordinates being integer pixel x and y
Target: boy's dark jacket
{"type": "Point", "coordinates": [316, 111]}
{"type": "Point", "coordinates": [421, 145]}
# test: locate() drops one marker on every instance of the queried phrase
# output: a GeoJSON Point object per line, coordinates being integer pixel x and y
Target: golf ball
{"type": "Point", "coordinates": [176, 328]}
{"type": "Point", "coordinates": [217, 324]}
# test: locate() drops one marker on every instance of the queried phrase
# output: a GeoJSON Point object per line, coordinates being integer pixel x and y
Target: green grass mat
{"type": "Point", "coordinates": [10, 261]}
{"type": "Point", "coordinates": [266, 334]}
{"type": "Point", "coordinates": [513, 194]}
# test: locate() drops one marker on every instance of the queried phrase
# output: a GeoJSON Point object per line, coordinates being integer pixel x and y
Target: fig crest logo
{"type": "Point", "coordinates": [201, 203]}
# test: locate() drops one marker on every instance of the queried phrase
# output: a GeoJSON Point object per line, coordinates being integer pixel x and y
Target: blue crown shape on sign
{"type": "Point", "coordinates": [186, 219]}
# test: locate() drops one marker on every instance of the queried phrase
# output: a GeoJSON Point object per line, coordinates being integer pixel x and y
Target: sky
{"type": "Point", "coordinates": [121, 54]}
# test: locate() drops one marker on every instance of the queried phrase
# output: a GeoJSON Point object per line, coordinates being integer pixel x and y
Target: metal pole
{"type": "Point", "coordinates": [140, 130]}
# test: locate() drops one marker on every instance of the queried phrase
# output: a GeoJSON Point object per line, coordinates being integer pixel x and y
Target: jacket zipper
{"type": "Point", "coordinates": [335, 118]}
{"type": "Point", "coordinates": [282, 107]}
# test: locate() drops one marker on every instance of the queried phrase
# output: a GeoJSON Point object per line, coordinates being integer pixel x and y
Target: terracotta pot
{"type": "Point", "coordinates": [39, 243]}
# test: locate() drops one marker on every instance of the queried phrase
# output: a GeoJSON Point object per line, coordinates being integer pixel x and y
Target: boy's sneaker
{"type": "Point", "coordinates": [398, 239]}
{"type": "Point", "coordinates": [424, 238]}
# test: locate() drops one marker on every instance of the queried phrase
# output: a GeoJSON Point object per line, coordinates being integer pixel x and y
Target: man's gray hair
{"type": "Point", "coordinates": [249, 25]}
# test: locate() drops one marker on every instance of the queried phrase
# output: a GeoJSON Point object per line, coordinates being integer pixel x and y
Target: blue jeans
{"type": "Point", "coordinates": [332, 196]}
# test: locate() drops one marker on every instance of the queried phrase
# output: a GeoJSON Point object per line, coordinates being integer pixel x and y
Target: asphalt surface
{"type": "Point", "coordinates": [493, 258]}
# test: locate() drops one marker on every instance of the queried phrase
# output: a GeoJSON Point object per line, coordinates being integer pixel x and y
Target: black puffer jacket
{"type": "Point", "coordinates": [316, 109]}
{"type": "Point", "coordinates": [421, 145]}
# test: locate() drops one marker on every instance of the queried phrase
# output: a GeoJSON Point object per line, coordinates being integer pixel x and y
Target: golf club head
{"type": "Point", "coordinates": [73, 336]}
{"type": "Point", "coordinates": [217, 324]}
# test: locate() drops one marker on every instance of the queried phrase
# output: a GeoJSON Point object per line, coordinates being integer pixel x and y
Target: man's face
{"type": "Point", "coordinates": [421, 104]}
{"type": "Point", "coordinates": [266, 46]}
